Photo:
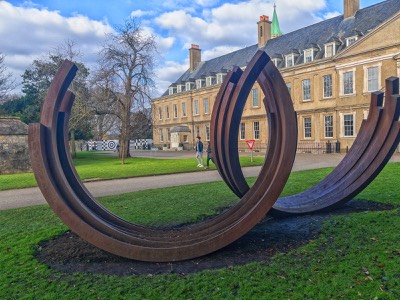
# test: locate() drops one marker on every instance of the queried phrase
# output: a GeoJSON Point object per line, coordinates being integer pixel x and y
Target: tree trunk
{"type": "Point", "coordinates": [124, 147]}
{"type": "Point", "coordinates": [72, 143]}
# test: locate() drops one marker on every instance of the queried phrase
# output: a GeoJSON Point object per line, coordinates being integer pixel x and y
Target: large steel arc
{"type": "Point", "coordinates": [72, 202]}
{"type": "Point", "coordinates": [376, 142]}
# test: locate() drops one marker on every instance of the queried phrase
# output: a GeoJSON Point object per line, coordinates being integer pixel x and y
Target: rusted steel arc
{"type": "Point", "coordinates": [328, 193]}
{"type": "Point", "coordinates": [381, 147]}
{"type": "Point", "coordinates": [234, 113]}
{"type": "Point", "coordinates": [284, 148]}
{"type": "Point", "coordinates": [359, 147]}
{"type": "Point", "coordinates": [231, 80]}
{"type": "Point", "coordinates": [228, 160]}
{"type": "Point", "coordinates": [57, 179]}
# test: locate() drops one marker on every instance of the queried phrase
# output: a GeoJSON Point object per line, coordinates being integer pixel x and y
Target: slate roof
{"type": "Point", "coordinates": [336, 29]}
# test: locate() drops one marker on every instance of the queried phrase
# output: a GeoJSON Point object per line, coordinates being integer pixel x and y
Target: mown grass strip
{"type": "Point", "coordinates": [97, 165]}
{"type": "Point", "coordinates": [357, 256]}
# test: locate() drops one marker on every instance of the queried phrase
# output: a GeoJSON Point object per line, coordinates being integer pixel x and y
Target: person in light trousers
{"type": "Point", "coordinates": [199, 152]}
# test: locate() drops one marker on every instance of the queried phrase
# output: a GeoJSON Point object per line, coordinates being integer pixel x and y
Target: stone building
{"type": "Point", "coordinates": [14, 154]}
{"type": "Point", "coordinates": [330, 69]}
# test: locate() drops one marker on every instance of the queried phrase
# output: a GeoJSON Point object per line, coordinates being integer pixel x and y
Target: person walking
{"type": "Point", "coordinates": [209, 156]}
{"type": "Point", "coordinates": [199, 152]}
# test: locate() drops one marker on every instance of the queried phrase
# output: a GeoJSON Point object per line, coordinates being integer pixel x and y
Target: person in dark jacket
{"type": "Point", "coordinates": [209, 156]}
{"type": "Point", "coordinates": [199, 152]}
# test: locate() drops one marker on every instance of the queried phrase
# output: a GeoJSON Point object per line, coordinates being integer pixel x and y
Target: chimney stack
{"type": "Point", "coordinates": [351, 7]}
{"type": "Point", "coordinates": [194, 57]}
{"type": "Point", "coordinates": [264, 30]}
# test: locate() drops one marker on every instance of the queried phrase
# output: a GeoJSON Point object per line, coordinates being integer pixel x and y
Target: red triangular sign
{"type": "Point", "coordinates": [250, 144]}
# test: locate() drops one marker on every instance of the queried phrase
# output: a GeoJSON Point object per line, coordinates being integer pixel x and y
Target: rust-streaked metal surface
{"type": "Point", "coordinates": [73, 203]}
{"type": "Point", "coordinates": [376, 142]}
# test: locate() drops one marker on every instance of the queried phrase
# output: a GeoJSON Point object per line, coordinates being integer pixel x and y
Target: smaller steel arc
{"type": "Point", "coordinates": [374, 145]}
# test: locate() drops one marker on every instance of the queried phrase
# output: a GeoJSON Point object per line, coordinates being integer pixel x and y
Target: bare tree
{"type": "Point", "coordinates": [103, 102]}
{"type": "Point", "coordinates": [7, 82]}
{"type": "Point", "coordinates": [129, 56]}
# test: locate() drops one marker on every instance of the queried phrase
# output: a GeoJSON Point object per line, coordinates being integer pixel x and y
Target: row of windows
{"type": "Point", "coordinates": [309, 54]}
{"type": "Point", "coordinates": [347, 87]}
{"type": "Point", "coordinates": [242, 134]}
{"type": "Point", "coordinates": [198, 84]}
{"type": "Point", "coordinates": [174, 109]}
{"type": "Point", "coordinates": [347, 83]}
{"type": "Point", "coordinates": [347, 126]}
{"type": "Point", "coordinates": [196, 107]}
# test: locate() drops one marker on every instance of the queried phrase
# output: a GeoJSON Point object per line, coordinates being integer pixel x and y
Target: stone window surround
{"type": "Point", "coordinates": [365, 68]}
{"type": "Point", "coordinates": [308, 53]}
{"type": "Point", "coordinates": [289, 57]}
{"type": "Point", "coordinates": [323, 86]}
{"type": "Point", "coordinates": [342, 130]}
{"type": "Point", "coordinates": [254, 92]}
{"type": "Point", "coordinates": [304, 127]}
{"type": "Point", "coordinates": [207, 128]}
{"type": "Point", "coordinates": [206, 106]}
{"type": "Point", "coordinates": [256, 130]}
{"type": "Point", "coordinates": [341, 89]}
{"type": "Point", "coordinates": [184, 109]}
{"type": "Point", "coordinates": [196, 108]}
{"type": "Point", "coordinates": [333, 44]}
{"type": "Point", "coordinates": [175, 110]}
{"type": "Point", "coordinates": [242, 131]}
{"type": "Point", "coordinates": [331, 125]}
{"type": "Point", "coordinates": [304, 94]}
{"type": "Point", "coordinates": [351, 40]}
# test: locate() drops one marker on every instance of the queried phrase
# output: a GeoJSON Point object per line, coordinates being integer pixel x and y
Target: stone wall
{"type": "Point", "coordinates": [14, 154]}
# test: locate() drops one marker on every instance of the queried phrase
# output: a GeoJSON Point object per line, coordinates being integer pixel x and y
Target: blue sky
{"type": "Point", "coordinates": [30, 29]}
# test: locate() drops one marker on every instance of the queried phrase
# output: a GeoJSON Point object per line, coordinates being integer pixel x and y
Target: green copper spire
{"type": "Point", "coordinates": [275, 29]}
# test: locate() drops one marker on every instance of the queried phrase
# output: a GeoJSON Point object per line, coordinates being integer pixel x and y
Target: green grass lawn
{"type": "Point", "coordinates": [96, 165]}
{"type": "Point", "coordinates": [330, 267]}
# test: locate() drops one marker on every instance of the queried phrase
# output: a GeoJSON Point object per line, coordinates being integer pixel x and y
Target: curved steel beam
{"type": "Point", "coordinates": [72, 202]}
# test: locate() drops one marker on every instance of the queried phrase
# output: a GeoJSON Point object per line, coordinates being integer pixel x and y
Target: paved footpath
{"type": "Point", "coordinates": [32, 196]}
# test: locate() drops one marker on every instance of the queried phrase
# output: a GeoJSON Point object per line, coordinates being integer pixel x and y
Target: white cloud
{"type": "Point", "coordinates": [29, 33]}
{"type": "Point", "coordinates": [207, 3]}
{"type": "Point", "coordinates": [141, 13]}
{"type": "Point", "coordinates": [218, 51]}
{"type": "Point", "coordinates": [331, 15]}
{"type": "Point", "coordinates": [169, 73]}
{"type": "Point", "coordinates": [234, 25]}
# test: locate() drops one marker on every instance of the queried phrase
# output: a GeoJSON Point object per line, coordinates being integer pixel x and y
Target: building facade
{"type": "Point", "coordinates": [331, 68]}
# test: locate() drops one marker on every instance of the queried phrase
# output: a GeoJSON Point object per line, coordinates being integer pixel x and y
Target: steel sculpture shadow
{"type": "Point", "coordinates": [78, 209]}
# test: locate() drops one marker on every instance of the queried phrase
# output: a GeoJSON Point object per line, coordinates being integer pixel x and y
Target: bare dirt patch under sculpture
{"type": "Point", "coordinates": [69, 253]}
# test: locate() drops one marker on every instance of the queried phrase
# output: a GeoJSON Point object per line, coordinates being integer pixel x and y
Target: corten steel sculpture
{"type": "Point", "coordinates": [73, 203]}
{"type": "Point", "coordinates": [70, 200]}
{"type": "Point", "coordinates": [376, 142]}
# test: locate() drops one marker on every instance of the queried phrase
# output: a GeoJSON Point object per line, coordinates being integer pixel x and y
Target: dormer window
{"type": "Point", "coordinates": [276, 61]}
{"type": "Point", "coordinates": [171, 90]}
{"type": "Point", "coordinates": [210, 80]}
{"type": "Point", "coordinates": [289, 59]}
{"type": "Point", "coordinates": [220, 77]}
{"type": "Point", "coordinates": [351, 40]}
{"type": "Point", "coordinates": [200, 83]}
{"type": "Point", "coordinates": [189, 86]}
{"type": "Point", "coordinates": [308, 55]}
{"type": "Point", "coordinates": [180, 88]}
{"type": "Point", "coordinates": [330, 50]}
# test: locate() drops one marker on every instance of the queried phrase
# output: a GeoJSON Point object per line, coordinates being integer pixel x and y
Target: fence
{"type": "Point", "coordinates": [111, 145]}
{"type": "Point", "coordinates": [318, 148]}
